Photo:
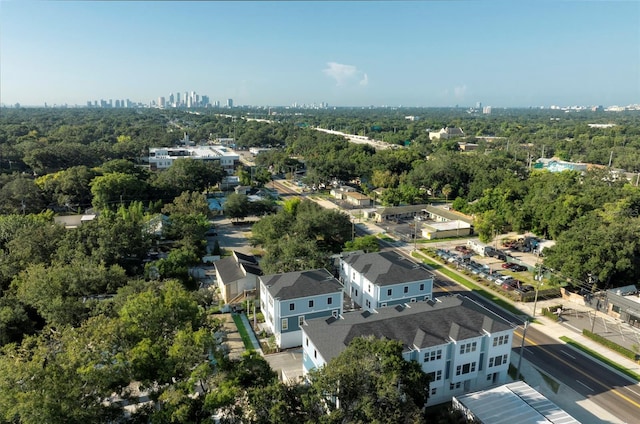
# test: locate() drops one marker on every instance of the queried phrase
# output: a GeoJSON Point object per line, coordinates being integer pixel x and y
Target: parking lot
{"type": "Point", "coordinates": [490, 269]}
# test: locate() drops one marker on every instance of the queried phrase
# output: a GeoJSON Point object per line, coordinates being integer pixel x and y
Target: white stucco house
{"type": "Point", "coordinates": [461, 345]}
{"type": "Point", "coordinates": [287, 300]}
{"type": "Point", "coordinates": [383, 279]}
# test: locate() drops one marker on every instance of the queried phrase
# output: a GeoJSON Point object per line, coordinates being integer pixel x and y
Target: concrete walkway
{"type": "Point", "coordinates": [233, 341]}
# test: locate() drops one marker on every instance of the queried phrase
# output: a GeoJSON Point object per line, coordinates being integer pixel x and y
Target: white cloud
{"type": "Point", "coordinates": [345, 74]}
{"type": "Point", "coordinates": [460, 91]}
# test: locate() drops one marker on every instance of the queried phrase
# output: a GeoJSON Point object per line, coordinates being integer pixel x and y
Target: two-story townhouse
{"type": "Point", "coordinates": [288, 300]}
{"type": "Point", "coordinates": [460, 344]}
{"type": "Point", "coordinates": [381, 279]}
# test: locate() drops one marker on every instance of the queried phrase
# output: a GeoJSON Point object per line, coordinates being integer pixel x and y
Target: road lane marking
{"type": "Point", "coordinates": [611, 389]}
{"type": "Point", "coordinates": [565, 353]}
{"type": "Point", "coordinates": [631, 390]}
{"type": "Point", "coordinates": [578, 381]}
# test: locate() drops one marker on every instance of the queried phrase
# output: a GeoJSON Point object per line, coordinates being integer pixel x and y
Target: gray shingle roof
{"type": "Point", "coordinates": [422, 324]}
{"type": "Point", "coordinates": [386, 268]}
{"type": "Point", "coordinates": [230, 269]}
{"type": "Point", "coordinates": [293, 285]}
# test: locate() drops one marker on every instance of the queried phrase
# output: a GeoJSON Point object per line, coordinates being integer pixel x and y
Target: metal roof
{"type": "Point", "coordinates": [513, 403]}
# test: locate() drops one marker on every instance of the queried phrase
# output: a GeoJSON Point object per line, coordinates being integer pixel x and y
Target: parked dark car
{"type": "Point", "coordinates": [518, 268]}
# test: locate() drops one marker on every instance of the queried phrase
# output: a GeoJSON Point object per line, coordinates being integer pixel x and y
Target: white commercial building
{"type": "Point", "coordinates": [163, 157]}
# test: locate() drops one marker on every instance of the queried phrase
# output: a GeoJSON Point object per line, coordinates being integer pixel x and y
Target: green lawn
{"type": "Point", "coordinates": [601, 358]}
{"type": "Point", "coordinates": [244, 335]}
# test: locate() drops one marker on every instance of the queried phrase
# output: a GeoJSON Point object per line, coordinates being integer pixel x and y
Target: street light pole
{"type": "Point", "coordinates": [524, 336]}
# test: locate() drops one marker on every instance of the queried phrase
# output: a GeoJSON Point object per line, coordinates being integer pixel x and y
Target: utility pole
{"type": "Point", "coordinates": [524, 336]}
{"type": "Point", "coordinates": [535, 300]}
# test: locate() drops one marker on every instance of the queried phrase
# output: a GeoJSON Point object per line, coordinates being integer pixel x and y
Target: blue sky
{"type": "Point", "coordinates": [416, 53]}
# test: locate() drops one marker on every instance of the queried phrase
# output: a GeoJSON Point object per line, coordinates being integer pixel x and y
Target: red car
{"type": "Point", "coordinates": [507, 265]}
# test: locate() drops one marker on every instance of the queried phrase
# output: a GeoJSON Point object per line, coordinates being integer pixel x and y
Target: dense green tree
{"type": "Point", "coordinates": [368, 243]}
{"type": "Point", "coordinates": [68, 188]}
{"type": "Point", "coordinates": [114, 189]}
{"type": "Point", "coordinates": [61, 293]}
{"type": "Point", "coordinates": [236, 206]}
{"type": "Point", "coordinates": [370, 381]}
{"type": "Point", "coordinates": [187, 175]}
{"type": "Point", "coordinates": [19, 194]}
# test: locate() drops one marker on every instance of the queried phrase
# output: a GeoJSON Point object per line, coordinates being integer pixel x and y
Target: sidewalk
{"type": "Point", "coordinates": [572, 326]}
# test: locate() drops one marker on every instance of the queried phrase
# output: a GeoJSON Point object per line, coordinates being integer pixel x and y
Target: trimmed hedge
{"type": "Point", "coordinates": [611, 345]}
{"type": "Point", "coordinates": [549, 312]}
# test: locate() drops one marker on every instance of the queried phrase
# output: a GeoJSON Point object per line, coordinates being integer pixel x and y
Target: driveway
{"type": "Point", "coordinates": [231, 237]}
{"type": "Point", "coordinates": [287, 364]}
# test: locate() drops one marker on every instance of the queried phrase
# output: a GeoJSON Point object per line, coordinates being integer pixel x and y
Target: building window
{"type": "Point", "coordinates": [413, 300]}
{"type": "Point", "coordinates": [389, 291]}
{"type": "Point", "coordinates": [334, 313]}
{"type": "Point", "coordinates": [406, 289]}
{"type": "Point", "coordinates": [466, 368]}
{"type": "Point", "coordinates": [285, 324]}
{"type": "Point", "coordinates": [489, 377]}
{"type": "Point", "coordinates": [435, 375]}
{"type": "Point", "coordinates": [356, 292]}
{"type": "Point", "coordinates": [329, 300]}
{"type": "Point", "coordinates": [383, 305]}
{"type": "Point", "coordinates": [468, 347]}
{"type": "Point", "coordinates": [453, 386]}
{"type": "Point", "coordinates": [369, 288]}
{"type": "Point", "coordinates": [311, 303]}
{"type": "Point", "coordinates": [300, 320]}
{"type": "Point", "coordinates": [498, 360]}
{"type": "Point", "coordinates": [307, 341]}
{"type": "Point", "coordinates": [367, 303]}
{"type": "Point", "coordinates": [315, 353]}
{"type": "Point", "coordinates": [292, 306]}
{"type": "Point", "coordinates": [421, 286]}
{"type": "Point", "coordinates": [433, 391]}
{"type": "Point", "coordinates": [497, 341]}
{"type": "Point", "coordinates": [434, 355]}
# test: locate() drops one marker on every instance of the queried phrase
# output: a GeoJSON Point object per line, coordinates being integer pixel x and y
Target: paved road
{"type": "Point", "coordinates": [590, 379]}
{"type": "Point", "coordinates": [585, 376]}
{"type": "Point", "coordinates": [608, 390]}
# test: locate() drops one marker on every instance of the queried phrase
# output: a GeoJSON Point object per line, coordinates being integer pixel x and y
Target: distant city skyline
{"type": "Point", "coordinates": [387, 53]}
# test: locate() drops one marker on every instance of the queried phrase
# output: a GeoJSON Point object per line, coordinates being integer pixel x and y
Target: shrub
{"type": "Point", "coordinates": [611, 345]}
